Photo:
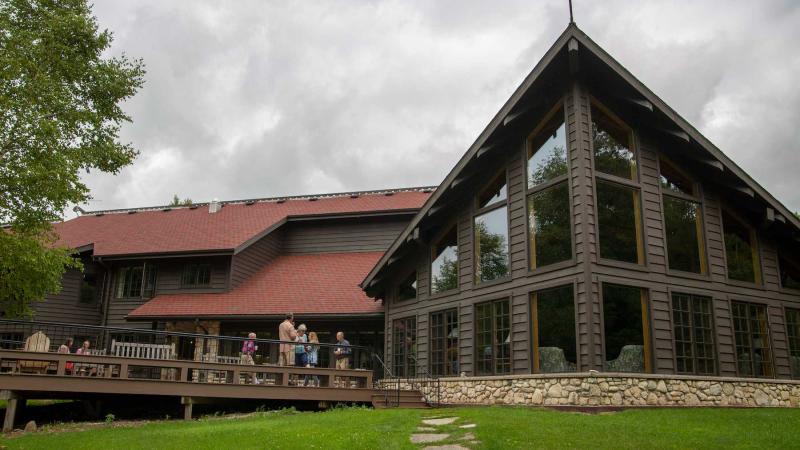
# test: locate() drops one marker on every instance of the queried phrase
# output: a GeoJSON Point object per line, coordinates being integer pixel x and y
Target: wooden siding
{"type": "Point", "coordinates": [255, 257]}
{"type": "Point", "coordinates": [66, 305]}
{"type": "Point", "coordinates": [587, 272]}
{"type": "Point", "coordinates": [342, 235]}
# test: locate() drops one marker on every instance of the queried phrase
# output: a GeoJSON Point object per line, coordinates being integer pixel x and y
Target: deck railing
{"type": "Point", "coordinates": [207, 358]}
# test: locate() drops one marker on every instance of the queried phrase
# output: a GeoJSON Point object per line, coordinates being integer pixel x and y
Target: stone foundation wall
{"type": "Point", "coordinates": [594, 389]}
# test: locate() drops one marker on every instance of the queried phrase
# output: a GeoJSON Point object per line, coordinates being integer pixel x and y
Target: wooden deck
{"type": "Point", "coordinates": [32, 374]}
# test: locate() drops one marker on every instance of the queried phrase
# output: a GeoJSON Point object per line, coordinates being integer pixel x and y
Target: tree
{"type": "Point", "coordinates": [176, 201]}
{"type": "Point", "coordinates": [59, 114]}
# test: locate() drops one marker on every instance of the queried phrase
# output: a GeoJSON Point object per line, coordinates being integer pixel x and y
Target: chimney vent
{"type": "Point", "coordinates": [214, 207]}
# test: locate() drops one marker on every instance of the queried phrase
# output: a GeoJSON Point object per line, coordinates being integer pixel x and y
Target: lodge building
{"type": "Point", "coordinates": [588, 228]}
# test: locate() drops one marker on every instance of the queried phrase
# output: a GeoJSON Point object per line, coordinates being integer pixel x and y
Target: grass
{"type": "Point", "coordinates": [497, 428]}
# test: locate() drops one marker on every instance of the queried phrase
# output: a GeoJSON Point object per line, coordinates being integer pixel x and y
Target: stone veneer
{"type": "Point", "coordinates": [606, 389]}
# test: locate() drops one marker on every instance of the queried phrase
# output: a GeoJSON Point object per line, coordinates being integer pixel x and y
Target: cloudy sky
{"type": "Point", "coordinates": [254, 98]}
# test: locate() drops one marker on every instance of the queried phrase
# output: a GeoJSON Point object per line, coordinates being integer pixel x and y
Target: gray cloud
{"type": "Point", "coordinates": [249, 99]}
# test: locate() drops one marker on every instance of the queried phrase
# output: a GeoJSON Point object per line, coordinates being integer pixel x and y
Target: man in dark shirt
{"type": "Point", "coordinates": [342, 352]}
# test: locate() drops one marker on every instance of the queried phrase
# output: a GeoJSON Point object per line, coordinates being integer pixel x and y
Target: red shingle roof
{"type": "Point", "coordinates": [184, 229]}
{"type": "Point", "coordinates": [303, 284]}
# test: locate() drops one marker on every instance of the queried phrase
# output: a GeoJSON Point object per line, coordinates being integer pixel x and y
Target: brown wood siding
{"type": "Point", "coordinates": [168, 280]}
{"type": "Point", "coordinates": [587, 272]}
{"type": "Point", "coordinates": [66, 306]}
{"type": "Point", "coordinates": [342, 235]}
{"type": "Point", "coordinates": [255, 257]}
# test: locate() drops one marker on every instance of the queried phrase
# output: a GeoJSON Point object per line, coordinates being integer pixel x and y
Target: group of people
{"type": "Point", "coordinates": [66, 348]}
{"type": "Point", "coordinates": [305, 350]}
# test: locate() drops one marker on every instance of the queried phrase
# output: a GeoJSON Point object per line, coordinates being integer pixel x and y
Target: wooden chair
{"type": "Point", "coordinates": [37, 342]}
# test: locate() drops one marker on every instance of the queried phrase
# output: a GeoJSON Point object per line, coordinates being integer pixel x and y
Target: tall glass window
{"type": "Point", "coordinates": [493, 338]}
{"type": "Point", "coordinates": [407, 289]}
{"type": "Point", "coordinates": [136, 281]}
{"type": "Point", "coordinates": [619, 210]}
{"type": "Point", "coordinates": [741, 249]}
{"type": "Point", "coordinates": [444, 343]}
{"type": "Point", "coordinates": [789, 271]}
{"type": "Point", "coordinates": [619, 219]}
{"type": "Point", "coordinates": [627, 333]}
{"type": "Point", "coordinates": [491, 232]}
{"type": "Point", "coordinates": [404, 347]}
{"type": "Point", "coordinates": [549, 226]}
{"type": "Point", "coordinates": [682, 220]}
{"type": "Point", "coordinates": [793, 336]}
{"type": "Point", "coordinates": [693, 321]}
{"type": "Point", "coordinates": [751, 334]}
{"type": "Point", "coordinates": [553, 318]}
{"type": "Point", "coordinates": [444, 262]}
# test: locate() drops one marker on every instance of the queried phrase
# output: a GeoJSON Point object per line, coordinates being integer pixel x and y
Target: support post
{"type": "Point", "coordinates": [12, 404]}
{"type": "Point", "coordinates": [187, 407]}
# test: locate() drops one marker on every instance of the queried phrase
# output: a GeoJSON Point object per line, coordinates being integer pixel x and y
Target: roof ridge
{"type": "Point", "coordinates": [264, 200]}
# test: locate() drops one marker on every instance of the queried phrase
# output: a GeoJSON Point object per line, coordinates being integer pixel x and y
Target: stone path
{"type": "Point", "coordinates": [426, 434]}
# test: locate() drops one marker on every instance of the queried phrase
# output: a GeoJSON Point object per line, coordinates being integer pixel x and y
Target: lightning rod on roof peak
{"type": "Point", "coordinates": [571, 19]}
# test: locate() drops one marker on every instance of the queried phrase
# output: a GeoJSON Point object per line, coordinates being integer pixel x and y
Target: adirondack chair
{"type": "Point", "coordinates": [37, 342]}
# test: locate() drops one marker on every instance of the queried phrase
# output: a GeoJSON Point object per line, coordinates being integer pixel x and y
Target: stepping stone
{"type": "Point", "coordinates": [468, 425]}
{"type": "Point", "coordinates": [440, 421]}
{"type": "Point", "coordinates": [426, 429]}
{"type": "Point", "coordinates": [468, 437]}
{"type": "Point", "coordinates": [446, 447]}
{"type": "Point", "coordinates": [425, 438]}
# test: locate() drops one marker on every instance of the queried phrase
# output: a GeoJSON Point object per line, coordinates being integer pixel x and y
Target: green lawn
{"type": "Point", "coordinates": [497, 428]}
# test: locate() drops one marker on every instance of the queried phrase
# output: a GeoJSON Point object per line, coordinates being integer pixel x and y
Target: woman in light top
{"type": "Point", "coordinates": [312, 355]}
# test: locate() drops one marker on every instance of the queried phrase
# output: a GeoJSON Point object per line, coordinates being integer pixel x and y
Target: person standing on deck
{"type": "Point", "coordinates": [286, 332]}
{"type": "Point", "coordinates": [300, 357]}
{"type": "Point", "coordinates": [342, 352]}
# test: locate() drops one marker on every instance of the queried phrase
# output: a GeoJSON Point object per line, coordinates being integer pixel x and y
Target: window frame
{"type": "Point", "coordinates": [432, 257]}
{"type": "Point", "coordinates": [758, 270]}
{"type": "Point", "coordinates": [397, 298]}
{"type": "Point", "coordinates": [533, 304]}
{"type": "Point", "coordinates": [701, 226]}
{"type": "Point", "coordinates": [477, 212]}
{"type": "Point", "coordinates": [147, 268]}
{"type": "Point", "coordinates": [493, 331]}
{"type": "Point", "coordinates": [715, 340]}
{"type": "Point", "coordinates": [749, 302]}
{"type": "Point", "coordinates": [527, 153]}
{"type": "Point", "coordinates": [431, 336]}
{"type": "Point", "coordinates": [187, 268]}
{"type": "Point", "coordinates": [634, 184]}
{"type": "Point", "coordinates": [778, 258]}
{"type": "Point", "coordinates": [406, 353]}
{"type": "Point", "coordinates": [789, 338]}
{"type": "Point", "coordinates": [645, 302]}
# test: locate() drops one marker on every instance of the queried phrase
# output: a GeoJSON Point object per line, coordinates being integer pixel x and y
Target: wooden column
{"type": "Point", "coordinates": [13, 404]}
{"type": "Point", "coordinates": [187, 407]}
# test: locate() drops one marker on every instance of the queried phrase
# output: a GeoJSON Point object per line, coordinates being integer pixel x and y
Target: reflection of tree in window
{"type": "Point", "coordinates": [549, 223]}
{"type": "Point", "coordinates": [619, 220]}
{"type": "Point", "coordinates": [681, 220]}
{"type": "Point", "coordinates": [554, 330]}
{"type": "Point", "coordinates": [739, 249]}
{"type": "Point", "coordinates": [408, 288]}
{"type": "Point", "coordinates": [548, 160]}
{"type": "Point", "coordinates": [612, 148]}
{"type": "Point", "coordinates": [491, 234]}
{"type": "Point", "coordinates": [444, 267]}
{"type": "Point", "coordinates": [624, 316]}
